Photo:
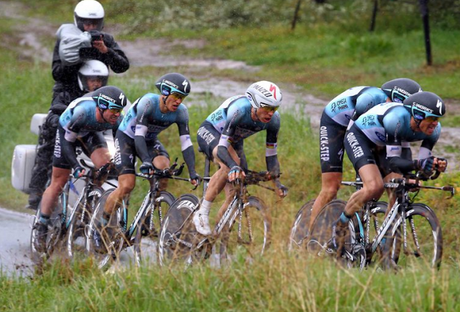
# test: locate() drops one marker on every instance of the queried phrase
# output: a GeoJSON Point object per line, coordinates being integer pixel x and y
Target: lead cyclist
{"type": "Point", "coordinates": [384, 129]}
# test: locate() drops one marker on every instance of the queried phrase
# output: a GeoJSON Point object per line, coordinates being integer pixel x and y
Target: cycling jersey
{"type": "Point", "coordinates": [354, 101]}
{"type": "Point", "coordinates": [144, 121]}
{"type": "Point", "coordinates": [337, 115]}
{"type": "Point", "coordinates": [79, 122]}
{"type": "Point", "coordinates": [234, 123]}
{"type": "Point", "coordinates": [386, 125]}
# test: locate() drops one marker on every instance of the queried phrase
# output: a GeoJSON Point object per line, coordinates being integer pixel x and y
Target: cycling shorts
{"type": "Point", "coordinates": [361, 151]}
{"type": "Point", "coordinates": [87, 143]}
{"type": "Point", "coordinates": [208, 138]}
{"type": "Point", "coordinates": [125, 152]}
{"type": "Point", "coordinates": [331, 149]}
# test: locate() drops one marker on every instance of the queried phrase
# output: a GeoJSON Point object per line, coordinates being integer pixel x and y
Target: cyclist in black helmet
{"type": "Point", "coordinates": [82, 124]}
{"type": "Point", "coordinates": [138, 137]}
{"type": "Point", "coordinates": [388, 127]}
{"type": "Point", "coordinates": [76, 43]}
{"type": "Point", "coordinates": [337, 116]}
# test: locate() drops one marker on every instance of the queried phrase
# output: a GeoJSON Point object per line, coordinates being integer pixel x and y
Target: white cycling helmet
{"type": "Point", "coordinates": [89, 10]}
{"type": "Point", "coordinates": [263, 94]}
{"type": "Point", "coordinates": [92, 68]}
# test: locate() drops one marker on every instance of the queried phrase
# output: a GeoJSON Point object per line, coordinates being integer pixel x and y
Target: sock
{"type": "Point", "coordinates": [44, 219]}
{"type": "Point", "coordinates": [205, 207]}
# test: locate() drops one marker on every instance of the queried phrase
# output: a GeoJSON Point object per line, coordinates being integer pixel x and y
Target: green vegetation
{"type": "Point", "coordinates": [329, 51]}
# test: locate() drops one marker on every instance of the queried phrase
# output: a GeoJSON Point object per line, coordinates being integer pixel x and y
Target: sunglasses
{"type": "Point", "coordinates": [115, 111]}
{"type": "Point", "coordinates": [269, 108]}
{"type": "Point", "coordinates": [432, 119]}
{"type": "Point", "coordinates": [178, 96]}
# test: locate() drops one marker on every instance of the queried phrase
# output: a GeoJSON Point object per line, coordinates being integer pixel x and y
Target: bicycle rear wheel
{"type": "Point", "coordinates": [78, 221]}
{"type": "Point", "coordinates": [300, 228]}
{"type": "Point", "coordinates": [321, 230]}
{"type": "Point", "coordinates": [249, 234]}
{"type": "Point", "coordinates": [424, 238]}
{"type": "Point", "coordinates": [146, 238]}
{"type": "Point", "coordinates": [178, 236]}
{"type": "Point", "coordinates": [113, 238]}
{"type": "Point", "coordinates": [56, 231]}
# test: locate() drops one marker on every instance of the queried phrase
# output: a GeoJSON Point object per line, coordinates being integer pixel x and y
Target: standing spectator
{"type": "Point", "coordinates": [83, 40]}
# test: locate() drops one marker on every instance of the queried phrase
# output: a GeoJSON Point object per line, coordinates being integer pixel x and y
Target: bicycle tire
{"type": "Point", "coordinates": [300, 227]}
{"type": "Point", "coordinates": [428, 234]}
{"type": "Point", "coordinates": [178, 235]}
{"type": "Point", "coordinates": [78, 221]}
{"type": "Point", "coordinates": [249, 235]}
{"type": "Point", "coordinates": [114, 242]}
{"type": "Point", "coordinates": [146, 238]}
{"type": "Point", "coordinates": [320, 231]}
{"type": "Point", "coordinates": [56, 230]}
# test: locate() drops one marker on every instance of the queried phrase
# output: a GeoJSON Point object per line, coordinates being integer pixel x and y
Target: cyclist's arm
{"type": "Point", "coordinates": [186, 143]}
{"type": "Point", "coordinates": [234, 117]}
{"type": "Point", "coordinates": [141, 145]}
{"type": "Point", "coordinates": [144, 110]}
{"type": "Point", "coordinates": [271, 145]}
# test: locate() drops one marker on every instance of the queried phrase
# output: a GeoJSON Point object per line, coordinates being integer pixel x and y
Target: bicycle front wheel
{"type": "Point", "coordinates": [55, 234]}
{"type": "Point", "coordinates": [112, 235]}
{"type": "Point", "coordinates": [424, 238]}
{"type": "Point", "coordinates": [78, 221]}
{"type": "Point", "coordinates": [146, 238]}
{"type": "Point", "coordinates": [248, 234]}
{"type": "Point", "coordinates": [300, 228]}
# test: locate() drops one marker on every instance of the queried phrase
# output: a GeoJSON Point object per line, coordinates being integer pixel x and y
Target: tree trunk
{"type": "Point", "coordinates": [426, 29]}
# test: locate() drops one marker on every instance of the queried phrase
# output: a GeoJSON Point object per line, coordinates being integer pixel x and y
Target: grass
{"type": "Point", "coordinates": [321, 59]}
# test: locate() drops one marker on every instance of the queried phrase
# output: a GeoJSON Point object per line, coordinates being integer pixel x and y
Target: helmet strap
{"type": "Point", "coordinates": [253, 109]}
{"type": "Point", "coordinates": [101, 111]}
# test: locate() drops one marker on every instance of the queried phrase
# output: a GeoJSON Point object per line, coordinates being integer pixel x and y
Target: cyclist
{"type": "Point", "coordinates": [221, 138]}
{"type": "Point", "coordinates": [72, 39]}
{"type": "Point", "coordinates": [384, 129]}
{"type": "Point", "coordinates": [138, 136]}
{"type": "Point", "coordinates": [341, 112]}
{"type": "Point", "coordinates": [81, 124]}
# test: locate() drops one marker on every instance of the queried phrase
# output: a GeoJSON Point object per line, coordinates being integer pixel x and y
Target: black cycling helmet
{"type": "Point", "coordinates": [425, 104]}
{"type": "Point", "coordinates": [400, 89]}
{"type": "Point", "coordinates": [173, 83]}
{"type": "Point", "coordinates": [109, 97]}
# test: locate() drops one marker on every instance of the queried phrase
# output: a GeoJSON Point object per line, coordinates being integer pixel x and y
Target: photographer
{"type": "Point", "coordinates": [83, 40]}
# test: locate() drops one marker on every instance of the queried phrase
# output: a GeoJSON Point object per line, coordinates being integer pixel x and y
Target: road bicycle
{"type": "Point", "coordinates": [391, 235]}
{"type": "Point", "coordinates": [300, 230]}
{"type": "Point", "coordinates": [244, 227]}
{"type": "Point", "coordinates": [142, 233]}
{"type": "Point", "coordinates": [67, 221]}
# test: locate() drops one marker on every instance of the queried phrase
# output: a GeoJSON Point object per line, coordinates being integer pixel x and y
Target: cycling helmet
{"type": "Point", "coordinates": [264, 93]}
{"type": "Point", "coordinates": [109, 97]}
{"type": "Point", "coordinates": [425, 104]}
{"type": "Point", "coordinates": [400, 89]}
{"type": "Point", "coordinates": [173, 83]}
{"type": "Point", "coordinates": [89, 10]}
{"type": "Point", "coordinates": [92, 68]}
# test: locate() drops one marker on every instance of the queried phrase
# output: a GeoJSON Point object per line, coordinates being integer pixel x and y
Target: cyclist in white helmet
{"type": "Point", "coordinates": [221, 137]}
{"type": "Point", "coordinates": [88, 23]}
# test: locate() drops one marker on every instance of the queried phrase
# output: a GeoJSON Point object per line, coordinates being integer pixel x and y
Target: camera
{"type": "Point", "coordinates": [96, 35]}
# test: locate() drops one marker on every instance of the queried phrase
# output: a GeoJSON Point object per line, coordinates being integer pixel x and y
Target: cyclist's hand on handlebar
{"type": "Point", "coordinates": [281, 190]}
{"type": "Point", "coordinates": [146, 167]}
{"type": "Point", "coordinates": [440, 164]}
{"type": "Point", "coordinates": [426, 165]}
{"type": "Point", "coordinates": [78, 171]}
{"type": "Point", "coordinates": [195, 179]}
{"type": "Point", "coordinates": [236, 173]}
